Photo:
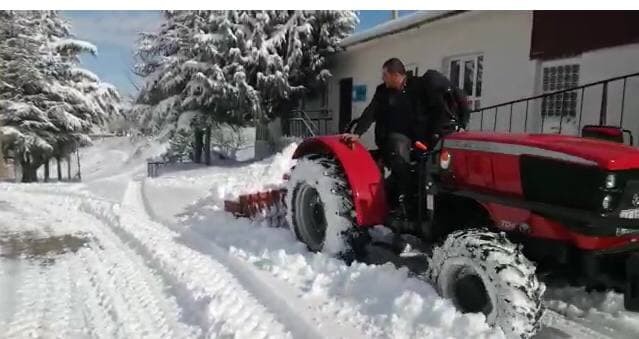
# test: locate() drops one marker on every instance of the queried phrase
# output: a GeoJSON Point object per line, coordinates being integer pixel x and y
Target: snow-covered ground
{"type": "Point", "coordinates": [121, 255]}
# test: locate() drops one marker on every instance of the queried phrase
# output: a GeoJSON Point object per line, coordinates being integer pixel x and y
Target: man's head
{"type": "Point", "coordinates": [393, 73]}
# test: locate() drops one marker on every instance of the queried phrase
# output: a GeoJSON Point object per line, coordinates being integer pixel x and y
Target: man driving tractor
{"type": "Point", "coordinates": [407, 109]}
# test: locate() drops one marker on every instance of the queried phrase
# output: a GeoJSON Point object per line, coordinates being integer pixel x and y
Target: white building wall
{"type": "Point", "coordinates": [503, 37]}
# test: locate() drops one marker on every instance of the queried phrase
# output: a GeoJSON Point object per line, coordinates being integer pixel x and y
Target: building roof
{"type": "Point", "coordinates": [397, 25]}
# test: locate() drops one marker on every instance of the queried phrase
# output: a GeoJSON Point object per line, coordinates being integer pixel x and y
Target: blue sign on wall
{"type": "Point", "coordinates": [359, 93]}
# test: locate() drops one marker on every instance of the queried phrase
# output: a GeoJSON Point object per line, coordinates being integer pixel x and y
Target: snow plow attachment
{"type": "Point", "coordinates": [265, 206]}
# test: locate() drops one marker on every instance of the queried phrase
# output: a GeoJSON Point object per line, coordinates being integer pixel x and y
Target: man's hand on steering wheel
{"type": "Point", "coordinates": [349, 139]}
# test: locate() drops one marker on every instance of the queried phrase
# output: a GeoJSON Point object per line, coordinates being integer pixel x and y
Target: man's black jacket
{"type": "Point", "coordinates": [433, 99]}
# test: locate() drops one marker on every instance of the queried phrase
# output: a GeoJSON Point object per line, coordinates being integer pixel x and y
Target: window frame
{"type": "Point", "coordinates": [473, 99]}
{"type": "Point", "coordinates": [543, 112]}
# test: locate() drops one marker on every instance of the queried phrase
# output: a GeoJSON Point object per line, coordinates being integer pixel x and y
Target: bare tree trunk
{"type": "Point", "coordinates": [46, 170]}
{"type": "Point", "coordinates": [29, 173]}
{"type": "Point", "coordinates": [207, 146]}
{"type": "Point", "coordinates": [77, 154]}
{"type": "Point", "coordinates": [197, 151]}
{"type": "Point", "coordinates": [68, 158]}
{"type": "Point", "coordinates": [59, 168]}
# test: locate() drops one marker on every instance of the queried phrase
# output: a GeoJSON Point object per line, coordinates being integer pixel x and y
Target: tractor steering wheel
{"type": "Point", "coordinates": [351, 126]}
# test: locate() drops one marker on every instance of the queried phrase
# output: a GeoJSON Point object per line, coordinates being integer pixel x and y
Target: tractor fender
{"type": "Point", "coordinates": [361, 171]}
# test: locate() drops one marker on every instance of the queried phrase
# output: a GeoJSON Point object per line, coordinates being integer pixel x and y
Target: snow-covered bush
{"type": "Point", "coordinates": [228, 140]}
{"type": "Point", "coordinates": [180, 145]}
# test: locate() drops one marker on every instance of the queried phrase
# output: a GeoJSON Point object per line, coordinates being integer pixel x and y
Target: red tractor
{"type": "Point", "coordinates": [497, 213]}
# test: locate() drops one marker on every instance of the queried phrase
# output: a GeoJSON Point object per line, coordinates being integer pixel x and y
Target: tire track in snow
{"type": "Point", "coordinates": [211, 295]}
{"type": "Point", "coordinates": [134, 293]}
{"type": "Point", "coordinates": [55, 318]}
{"type": "Point", "coordinates": [604, 324]}
{"type": "Point", "coordinates": [9, 282]}
{"type": "Point", "coordinates": [573, 328]}
{"type": "Point", "coordinates": [120, 296]}
{"type": "Point", "coordinates": [298, 314]}
{"type": "Point", "coordinates": [81, 316]}
{"type": "Point", "coordinates": [26, 320]}
{"type": "Point", "coordinates": [113, 293]}
{"type": "Point", "coordinates": [142, 300]}
{"type": "Point", "coordinates": [97, 305]}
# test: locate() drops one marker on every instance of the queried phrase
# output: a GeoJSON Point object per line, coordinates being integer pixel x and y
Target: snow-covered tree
{"type": "Point", "coordinates": [293, 53]}
{"type": "Point", "coordinates": [48, 104]}
{"type": "Point", "coordinates": [234, 67]}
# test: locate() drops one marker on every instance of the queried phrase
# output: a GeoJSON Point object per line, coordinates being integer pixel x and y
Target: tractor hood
{"type": "Point", "coordinates": [604, 154]}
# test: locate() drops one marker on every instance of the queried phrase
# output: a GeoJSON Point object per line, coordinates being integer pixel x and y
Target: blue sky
{"type": "Point", "coordinates": [115, 34]}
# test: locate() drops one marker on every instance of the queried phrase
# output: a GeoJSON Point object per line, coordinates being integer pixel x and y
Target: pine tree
{"type": "Point", "coordinates": [234, 67]}
{"type": "Point", "coordinates": [48, 104]}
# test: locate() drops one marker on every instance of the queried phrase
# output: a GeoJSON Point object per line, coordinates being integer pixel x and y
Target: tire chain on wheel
{"type": "Point", "coordinates": [340, 188]}
{"type": "Point", "coordinates": [484, 246]}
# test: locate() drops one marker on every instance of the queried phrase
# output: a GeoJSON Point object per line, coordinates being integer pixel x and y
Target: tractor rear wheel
{"type": "Point", "coordinates": [482, 271]}
{"type": "Point", "coordinates": [320, 208]}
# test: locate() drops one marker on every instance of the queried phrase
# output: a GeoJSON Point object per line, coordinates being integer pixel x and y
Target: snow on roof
{"type": "Point", "coordinates": [396, 26]}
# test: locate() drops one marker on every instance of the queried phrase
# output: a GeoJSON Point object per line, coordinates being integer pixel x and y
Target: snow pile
{"type": "Point", "coordinates": [263, 176]}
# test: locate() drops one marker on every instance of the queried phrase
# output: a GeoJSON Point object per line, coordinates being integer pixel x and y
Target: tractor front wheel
{"type": "Point", "coordinates": [320, 208]}
{"type": "Point", "coordinates": [483, 272]}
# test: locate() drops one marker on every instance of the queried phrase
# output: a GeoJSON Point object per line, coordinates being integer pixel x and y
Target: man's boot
{"type": "Point", "coordinates": [398, 216]}
{"type": "Point", "coordinates": [401, 206]}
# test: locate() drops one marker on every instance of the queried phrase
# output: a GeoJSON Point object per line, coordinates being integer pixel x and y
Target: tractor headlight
{"type": "Point", "coordinates": [607, 202]}
{"type": "Point", "coordinates": [444, 160]}
{"type": "Point", "coordinates": [611, 181]}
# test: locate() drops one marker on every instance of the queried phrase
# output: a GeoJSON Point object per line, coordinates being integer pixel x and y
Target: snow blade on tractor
{"type": "Point", "coordinates": [267, 206]}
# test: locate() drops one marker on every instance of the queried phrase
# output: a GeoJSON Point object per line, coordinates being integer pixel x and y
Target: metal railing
{"type": "Point", "coordinates": [303, 125]}
{"type": "Point", "coordinates": [530, 105]}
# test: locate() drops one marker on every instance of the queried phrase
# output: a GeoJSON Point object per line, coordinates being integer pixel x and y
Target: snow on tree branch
{"type": "Point", "coordinates": [237, 66]}
{"type": "Point", "coordinates": [73, 46]}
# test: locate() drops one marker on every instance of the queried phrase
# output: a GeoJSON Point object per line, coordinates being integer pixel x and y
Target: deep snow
{"type": "Point", "coordinates": [160, 258]}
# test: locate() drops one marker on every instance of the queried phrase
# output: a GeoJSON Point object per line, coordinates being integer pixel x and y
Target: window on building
{"type": "Point", "coordinates": [557, 78]}
{"type": "Point", "coordinates": [466, 73]}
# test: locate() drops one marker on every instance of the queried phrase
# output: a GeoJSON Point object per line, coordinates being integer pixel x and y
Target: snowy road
{"type": "Point", "coordinates": [67, 274]}
{"type": "Point", "coordinates": [120, 256]}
